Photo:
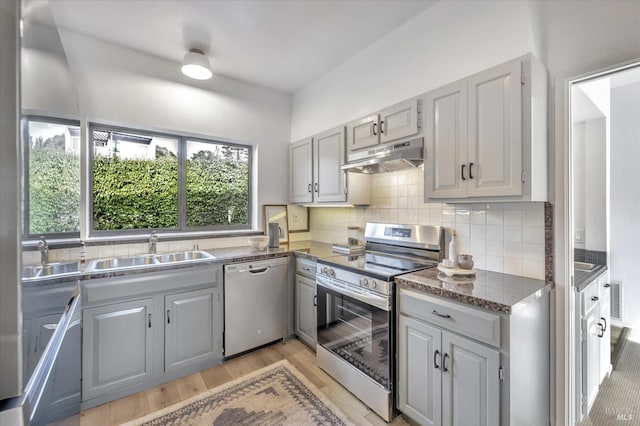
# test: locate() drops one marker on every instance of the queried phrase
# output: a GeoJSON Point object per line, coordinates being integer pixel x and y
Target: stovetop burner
{"type": "Point", "coordinates": [378, 264]}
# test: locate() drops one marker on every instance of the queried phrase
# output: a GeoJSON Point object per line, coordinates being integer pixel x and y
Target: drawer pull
{"type": "Point", "coordinates": [434, 312]}
{"type": "Point", "coordinates": [444, 363]}
{"type": "Point", "coordinates": [435, 355]}
{"type": "Point", "coordinates": [607, 285]}
{"type": "Point", "coordinates": [595, 298]}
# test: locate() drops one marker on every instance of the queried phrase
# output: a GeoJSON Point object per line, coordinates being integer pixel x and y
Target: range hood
{"type": "Point", "coordinates": [389, 157]}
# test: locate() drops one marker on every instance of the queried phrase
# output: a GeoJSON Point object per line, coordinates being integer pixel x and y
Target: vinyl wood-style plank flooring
{"type": "Point", "coordinates": [159, 397]}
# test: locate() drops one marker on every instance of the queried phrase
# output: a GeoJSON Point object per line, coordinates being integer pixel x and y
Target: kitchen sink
{"type": "Point", "coordinates": [184, 256]}
{"type": "Point", "coordinates": [50, 270]}
{"type": "Point", "coordinates": [583, 266]}
{"type": "Point", "coordinates": [123, 262]}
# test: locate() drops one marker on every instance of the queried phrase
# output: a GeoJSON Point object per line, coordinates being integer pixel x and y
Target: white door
{"type": "Point", "coordinates": [470, 382]}
{"type": "Point", "coordinates": [301, 171]}
{"type": "Point", "coordinates": [305, 320]}
{"type": "Point", "coordinates": [495, 131]}
{"type": "Point", "coordinates": [590, 357]}
{"type": "Point", "coordinates": [189, 328]}
{"type": "Point", "coordinates": [446, 170]}
{"type": "Point", "coordinates": [117, 343]}
{"type": "Point", "coordinates": [363, 132]}
{"type": "Point", "coordinates": [328, 156]}
{"type": "Point", "coordinates": [399, 121]}
{"type": "Point", "coordinates": [419, 374]}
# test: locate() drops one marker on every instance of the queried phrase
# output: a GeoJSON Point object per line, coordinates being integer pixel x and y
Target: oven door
{"type": "Point", "coordinates": [356, 326]}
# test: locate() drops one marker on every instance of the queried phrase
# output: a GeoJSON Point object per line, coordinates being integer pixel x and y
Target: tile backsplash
{"type": "Point", "coordinates": [502, 237]}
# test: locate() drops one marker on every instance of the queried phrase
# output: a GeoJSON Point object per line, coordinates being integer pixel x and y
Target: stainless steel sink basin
{"type": "Point", "coordinates": [583, 266]}
{"type": "Point", "coordinates": [50, 270]}
{"type": "Point", "coordinates": [30, 271]}
{"type": "Point", "coordinates": [184, 256]}
{"type": "Point", "coordinates": [122, 262]}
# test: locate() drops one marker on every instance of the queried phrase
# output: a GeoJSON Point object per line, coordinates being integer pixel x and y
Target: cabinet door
{"type": "Point", "coordinates": [306, 310]}
{"type": "Point", "coordinates": [117, 346]}
{"type": "Point", "coordinates": [41, 332]}
{"type": "Point", "coordinates": [419, 377]}
{"type": "Point", "coordinates": [470, 382]}
{"type": "Point", "coordinates": [400, 121]}
{"type": "Point", "coordinates": [495, 131]}
{"type": "Point", "coordinates": [189, 328]}
{"type": "Point", "coordinates": [301, 171]}
{"type": "Point", "coordinates": [446, 142]}
{"type": "Point", "coordinates": [590, 358]}
{"type": "Point", "coordinates": [604, 283]}
{"type": "Point", "coordinates": [328, 154]}
{"type": "Point", "coordinates": [363, 133]}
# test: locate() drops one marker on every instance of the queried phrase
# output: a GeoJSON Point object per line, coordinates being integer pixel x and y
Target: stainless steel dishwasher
{"type": "Point", "coordinates": [255, 304]}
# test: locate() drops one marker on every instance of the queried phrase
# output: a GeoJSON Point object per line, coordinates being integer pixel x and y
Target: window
{"type": "Point", "coordinates": [143, 181]}
{"type": "Point", "coordinates": [51, 201]}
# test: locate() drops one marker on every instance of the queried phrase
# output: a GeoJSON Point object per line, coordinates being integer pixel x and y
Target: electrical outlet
{"type": "Point", "coordinates": [579, 236]}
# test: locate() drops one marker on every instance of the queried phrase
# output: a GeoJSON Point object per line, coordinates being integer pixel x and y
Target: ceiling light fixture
{"type": "Point", "coordinates": [195, 65]}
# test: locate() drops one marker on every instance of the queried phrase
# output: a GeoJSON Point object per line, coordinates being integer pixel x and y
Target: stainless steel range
{"type": "Point", "coordinates": [356, 308]}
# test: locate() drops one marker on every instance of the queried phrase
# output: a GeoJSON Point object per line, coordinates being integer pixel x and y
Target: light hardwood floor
{"type": "Point", "coordinates": [294, 351]}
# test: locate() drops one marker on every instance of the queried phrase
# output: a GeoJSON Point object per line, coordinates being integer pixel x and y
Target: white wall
{"type": "Point", "coordinates": [448, 41]}
{"type": "Point", "coordinates": [590, 183]}
{"type": "Point", "coordinates": [119, 85]}
{"type": "Point", "coordinates": [625, 196]}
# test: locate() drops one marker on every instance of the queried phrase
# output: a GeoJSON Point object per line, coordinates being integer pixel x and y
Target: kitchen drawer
{"type": "Point", "coordinates": [472, 322]}
{"type": "Point", "coordinates": [306, 267]}
{"type": "Point", "coordinates": [590, 296]}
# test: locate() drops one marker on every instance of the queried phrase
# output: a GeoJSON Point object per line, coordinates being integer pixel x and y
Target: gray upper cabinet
{"type": "Point", "coordinates": [190, 328]}
{"type": "Point", "coordinates": [485, 138]}
{"type": "Point", "coordinates": [117, 346]}
{"type": "Point", "coordinates": [328, 154]}
{"type": "Point", "coordinates": [301, 171]}
{"type": "Point", "coordinates": [392, 123]}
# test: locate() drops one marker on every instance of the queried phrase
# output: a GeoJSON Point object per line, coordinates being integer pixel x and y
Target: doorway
{"type": "Point", "coordinates": [604, 230]}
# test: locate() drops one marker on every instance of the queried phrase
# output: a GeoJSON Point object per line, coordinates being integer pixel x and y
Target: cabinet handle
{"type": "Point", "coordinates": [444, 363]}
{"type": "Point", "coordinates": [595, 298]}
{"type": "Point", "coordinates": [470, 170]}
{"type": "Point", "coordinates": [607, 285]}
{"type": "Point", "coordinates": [601, 333]}
{"type": "Point", "coordinates": [149, 320]}
{"type": "Point", "coordinates": [381, 127]}
{"type": "Point", "coordinates": [35, 347]}
{"type": "Point", "coordinates": [309, 188]}
{"type": "Point", "coordinates": [604, 320]}
{"type": "Point", "coordinates": [440, 315]}
{"type": "Point", "coordinates": [168, 317]}
{"type": "Point", "coordinates": [435, 355]}
{"type": "Point", "coordinates": [374, 129]}
{"type": "Point", "coordinates": [315, 300]}
{"type": "Point", "coordinates": [462, 172]}
{"type": "Point", "coordinates": [316, 186]}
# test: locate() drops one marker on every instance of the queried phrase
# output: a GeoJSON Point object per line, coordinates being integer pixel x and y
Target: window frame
{"type": "Point", "coordinates": [182, 180]}
{"type": "Point", "coordinates": [26, 185]}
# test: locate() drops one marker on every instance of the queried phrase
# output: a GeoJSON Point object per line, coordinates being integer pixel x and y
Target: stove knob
{"type": "Point", "coordinates": [324, 270]}
{"type": "Point", "coordinates": [363, 282]}
{"type": "Point", "coordinates": [331, 272]}
{"type": "Point", "coordinates": [374, 284]}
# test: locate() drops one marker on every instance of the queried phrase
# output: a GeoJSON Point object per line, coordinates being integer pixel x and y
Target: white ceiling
{"type": "Point", "coordinates": [281, 44]}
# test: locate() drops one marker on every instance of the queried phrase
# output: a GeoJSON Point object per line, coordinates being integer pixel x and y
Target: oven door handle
{"type": "Point", "coordinates": [380, 302]}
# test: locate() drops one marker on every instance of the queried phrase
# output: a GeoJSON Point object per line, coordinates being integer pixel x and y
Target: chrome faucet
{"type": "Point", "coordinates": [43, 246]}
{"type": "Point", "coordinates": [153, 240]}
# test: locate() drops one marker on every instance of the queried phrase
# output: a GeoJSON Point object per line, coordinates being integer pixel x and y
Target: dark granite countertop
{"type": "Point", "coordinates": [583, 278]}
{"type": "Point", "coordinates": [491, 290]}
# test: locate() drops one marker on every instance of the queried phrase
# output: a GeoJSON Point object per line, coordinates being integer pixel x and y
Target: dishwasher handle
{"type": "Point", "coordinates": [260, 271]}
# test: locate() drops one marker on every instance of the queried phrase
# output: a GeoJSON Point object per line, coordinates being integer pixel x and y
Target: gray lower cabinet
{"type": "Point", "coordinates": [117, 346]}
{"type": "Point", "coordinates": [445, 379]}
{"type": "Point", "coordinates": [306, 310]}
{"type": "Point", "coordinates": [189, 328]}
{"type": "Point", "coordinates": [42, 329]}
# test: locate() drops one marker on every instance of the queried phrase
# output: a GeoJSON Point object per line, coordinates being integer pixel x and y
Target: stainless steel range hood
{"type": "Point", "coordinates": [389, 157]}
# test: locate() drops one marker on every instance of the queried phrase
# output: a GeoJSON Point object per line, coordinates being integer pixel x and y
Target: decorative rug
{"type": "Point", "coordinates": [275, 395]}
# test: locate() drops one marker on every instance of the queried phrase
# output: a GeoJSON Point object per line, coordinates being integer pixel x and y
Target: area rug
{"type": "Point", "coordinates": [275, 395]}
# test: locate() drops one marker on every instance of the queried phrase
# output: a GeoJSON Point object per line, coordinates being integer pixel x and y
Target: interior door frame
{"type": "Point", "coordinates": [565, 300]}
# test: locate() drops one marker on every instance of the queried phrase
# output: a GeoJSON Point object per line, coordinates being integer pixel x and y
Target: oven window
{"type": "Point", "coordinates": [356, 332]}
